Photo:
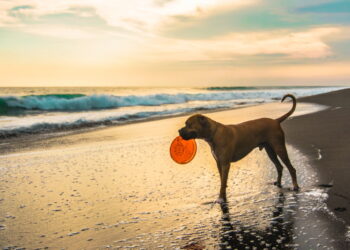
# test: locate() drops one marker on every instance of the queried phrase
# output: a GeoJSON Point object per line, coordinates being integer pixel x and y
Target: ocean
{"type": "Point", "coordinates": [47, 110]}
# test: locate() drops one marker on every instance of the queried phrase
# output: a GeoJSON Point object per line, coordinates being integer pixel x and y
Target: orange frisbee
{"type": "Point", "coordinates": [182, 151]}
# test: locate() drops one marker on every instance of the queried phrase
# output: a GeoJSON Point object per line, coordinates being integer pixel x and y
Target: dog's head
{"type": "Point", "coordinates": [197, 126]}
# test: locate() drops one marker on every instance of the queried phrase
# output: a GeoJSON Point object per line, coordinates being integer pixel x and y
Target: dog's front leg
{"type": "Point", "coordinates": [219, 169]}
{"type": "Point", "coordinates": [225, 168]}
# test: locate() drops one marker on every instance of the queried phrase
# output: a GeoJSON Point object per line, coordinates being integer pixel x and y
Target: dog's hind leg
{"type": "Point", "coordinates": [281, 151]}
{"type": "Point", "coordinates": [273, 157]}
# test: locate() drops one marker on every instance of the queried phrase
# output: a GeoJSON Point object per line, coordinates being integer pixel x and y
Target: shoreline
{"type": "Point", "coordinates": [108, 124]}
{"type": "Point", "coordinates": [24, 141]}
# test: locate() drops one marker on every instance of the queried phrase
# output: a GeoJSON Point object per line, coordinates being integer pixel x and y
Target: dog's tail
{"type": "Point", "coordinates": [285, 116]}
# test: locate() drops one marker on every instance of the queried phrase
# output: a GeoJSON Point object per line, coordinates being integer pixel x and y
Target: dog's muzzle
{"type": "Point", "coordinates": [186, 134]}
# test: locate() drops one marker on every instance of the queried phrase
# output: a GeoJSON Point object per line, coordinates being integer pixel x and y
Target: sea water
{"type": "Point", "coordinates": [42, 110]}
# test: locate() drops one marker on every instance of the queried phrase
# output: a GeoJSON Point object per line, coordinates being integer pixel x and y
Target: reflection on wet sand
{"type": "Point", "coordinates": [279, 234]}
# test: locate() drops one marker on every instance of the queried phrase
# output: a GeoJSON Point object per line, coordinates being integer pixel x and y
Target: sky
{"type": "Point", "coordinates": [174, 42]}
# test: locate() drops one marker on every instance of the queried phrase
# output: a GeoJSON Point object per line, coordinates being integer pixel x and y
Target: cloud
{"type": "Point", "coordinates": [162, 2]}
{"type": "Point", "coordinates": [22, 7]}
{"type": "Point", "coordinates": [302, 44]}
{"type": "Point", "coordinates": [62, 32]}
{"type": "Point", "coordinates": [133, 15]}
{"type": "Point", "coordinates": [135, 24]}
{"type": "Point", "coordinates": [248, 19]}
{"type": "Point", "coordinates": [67, 21]}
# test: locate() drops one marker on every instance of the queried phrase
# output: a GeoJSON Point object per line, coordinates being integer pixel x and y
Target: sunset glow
{"type": "Point", "coordinates": [174, 42]}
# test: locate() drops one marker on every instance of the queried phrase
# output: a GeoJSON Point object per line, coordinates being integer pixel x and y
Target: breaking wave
{"type": "Point", "coordinates": [80, 102]}
{"type": "Point", "coordinates": [91, 121]}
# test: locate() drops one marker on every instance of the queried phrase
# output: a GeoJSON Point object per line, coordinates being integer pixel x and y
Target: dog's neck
{"type": "Point", "coordinates": [210, 140]}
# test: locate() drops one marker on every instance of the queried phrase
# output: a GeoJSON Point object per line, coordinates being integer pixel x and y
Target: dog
{"type": "Point", "coordinates": [230, 143]}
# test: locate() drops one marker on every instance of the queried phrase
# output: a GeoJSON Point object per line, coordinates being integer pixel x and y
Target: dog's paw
{"type": "Point", "coordinates": [277, 184]}
{"type": "Point", "coordinates": [297, 188]}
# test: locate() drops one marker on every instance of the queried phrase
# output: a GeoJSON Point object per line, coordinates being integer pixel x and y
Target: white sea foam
{"type": "Point", "coordinates": [319, 155]}
{"type": "Point", "coordinates": [317, 194]}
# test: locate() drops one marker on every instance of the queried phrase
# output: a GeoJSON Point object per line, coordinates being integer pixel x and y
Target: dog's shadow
{"type": "Point", "coordinates": [236, 235]}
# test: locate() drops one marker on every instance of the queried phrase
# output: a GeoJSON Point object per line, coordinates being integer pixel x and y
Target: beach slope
{"type": "Point", "coordinates": [325, 137]}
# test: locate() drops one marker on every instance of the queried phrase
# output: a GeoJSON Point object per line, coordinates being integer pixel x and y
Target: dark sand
{"type": "Point", "coordinates": [325, 137]}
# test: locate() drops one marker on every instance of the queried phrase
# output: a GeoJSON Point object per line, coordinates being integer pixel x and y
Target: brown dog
{"type": "Point", "coordinates": [230, 143]}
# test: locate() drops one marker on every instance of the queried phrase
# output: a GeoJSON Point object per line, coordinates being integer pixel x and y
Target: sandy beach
{"type": "Point", "coordinates": [118, 187]}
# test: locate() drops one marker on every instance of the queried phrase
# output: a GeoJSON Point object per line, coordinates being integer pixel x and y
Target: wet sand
{"type": "Point", "coordinates": [118, 188]}
{"type": "Point", "coordinates": [325, 138]}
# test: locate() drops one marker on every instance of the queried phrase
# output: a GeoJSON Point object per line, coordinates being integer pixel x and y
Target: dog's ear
{"type": "Point", "coordinates": [202, 120]}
